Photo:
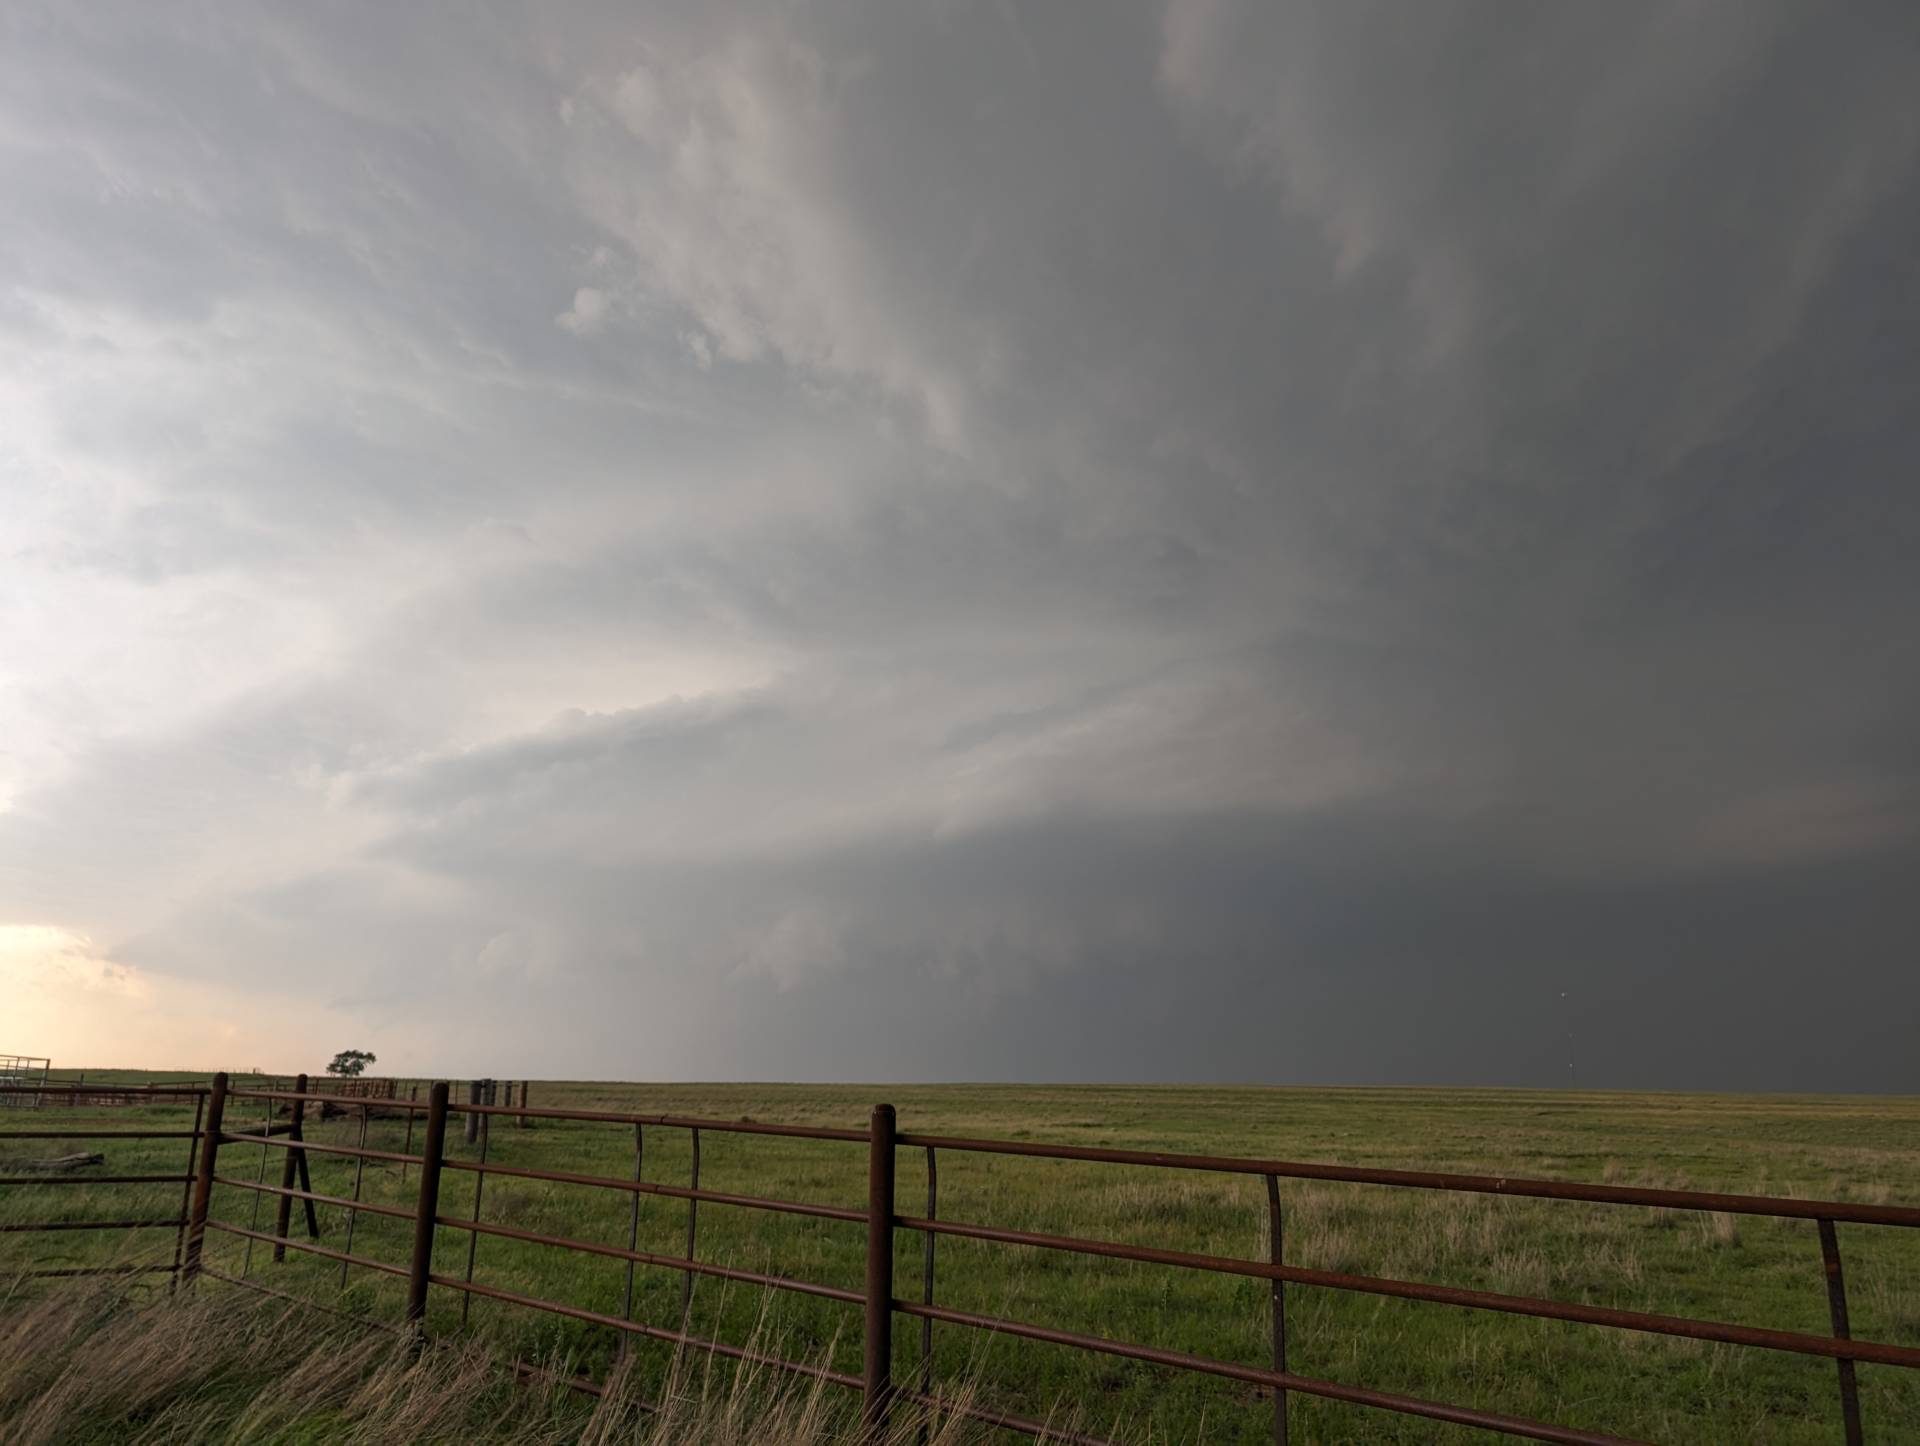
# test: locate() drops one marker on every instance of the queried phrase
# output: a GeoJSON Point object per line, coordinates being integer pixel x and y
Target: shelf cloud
{"type": "Point", "coordinates": [1209, 541]}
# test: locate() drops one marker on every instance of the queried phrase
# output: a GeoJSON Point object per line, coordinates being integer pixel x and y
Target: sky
{"type": "Point", "coordinates": [1195, 542]}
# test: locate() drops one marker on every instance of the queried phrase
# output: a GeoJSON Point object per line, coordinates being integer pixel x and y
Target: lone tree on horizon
{"type": "Point", "coordinates": [350, 1062]}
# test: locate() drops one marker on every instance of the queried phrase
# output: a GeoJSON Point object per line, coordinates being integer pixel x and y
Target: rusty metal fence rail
{"type": "Point", "coordinates": [881, 1217]}
{"type": "Point", "coordinates": [176, 1222]}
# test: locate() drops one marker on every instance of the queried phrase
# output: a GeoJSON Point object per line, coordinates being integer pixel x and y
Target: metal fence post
{"type": "Point", "coordinates": [359, 1180]}
{"type": "Point", "coordinates": [926, 1298]}
{"type": "Point", "coordinates": [407, 1149]}
{"type": "Point", "coordinates": [203, 1179]}
{"type": "Point", "coordinates": [186, 1191]}
{"type": "Point", "coordinates": [284, 1215]}
{"type": "Point", "coordinates": [473, 1236]}
{"type": "Point", "coordinates": [1837, 1313]}
{"type": "Point", "coordinates": [633, 1230]}
{"type": "Point", "coordinates": [1276, 1223]}
{"type": "Point", "coordinates": [428, 1209]}
{"type": "Point", "coordinates": [877, 1378]}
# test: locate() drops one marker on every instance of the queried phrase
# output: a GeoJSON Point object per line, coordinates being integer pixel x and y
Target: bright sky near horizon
{"type": "Point", "coordinates": [1201, 540]}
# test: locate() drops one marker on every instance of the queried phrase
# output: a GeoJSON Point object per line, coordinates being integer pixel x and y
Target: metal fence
{"type": "Point", "coordinates": [881, 1217]}
{"type": "Point", "coordinates": [176, 1223]}
{"type": "Point", "coordinates": [18, 1071]}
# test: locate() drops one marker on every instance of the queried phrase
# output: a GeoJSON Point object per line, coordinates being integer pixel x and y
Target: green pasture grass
{"type": "Point", "coordinates": [1740, 1269]}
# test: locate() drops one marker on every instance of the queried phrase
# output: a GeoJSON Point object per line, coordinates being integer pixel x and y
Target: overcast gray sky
{"type": "Point", "coordinates": [1206, 541]}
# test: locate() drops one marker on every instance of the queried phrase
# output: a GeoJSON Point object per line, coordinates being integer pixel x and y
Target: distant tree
{"type": "Point", "coordinates": [350, 1062]}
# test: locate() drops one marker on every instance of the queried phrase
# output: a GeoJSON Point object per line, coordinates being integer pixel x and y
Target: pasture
{"type": "Point", "coordinates": [1735, 1269]}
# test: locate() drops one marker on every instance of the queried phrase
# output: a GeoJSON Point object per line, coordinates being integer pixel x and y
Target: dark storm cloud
{"type": "Point", "coordinates": [1215, 541]}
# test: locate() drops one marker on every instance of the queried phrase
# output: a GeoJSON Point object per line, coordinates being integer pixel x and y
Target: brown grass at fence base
{"type": "Point", "coordinates": [99, 1364]}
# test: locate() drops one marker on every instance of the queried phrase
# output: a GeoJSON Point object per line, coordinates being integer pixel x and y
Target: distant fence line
{"type": "Point", "coordinates": [32, 1090]}
{"type": "Point", "coordinates": [881, 1218]}
{"type": "Point", "coordinates": [20, 1070]}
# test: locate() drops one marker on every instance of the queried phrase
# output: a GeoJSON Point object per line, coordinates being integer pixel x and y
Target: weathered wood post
{"type": "Point", "coordinates": [473, 1120]}
{"type": "Point", "coordinates": [877, 1378]}
{"type": "Point", "coordinates": [427, 1210]}
{"type": "Point", "coordinates": [203, 1180]}
{"type": "Point", "coordinates": [526, 1098]}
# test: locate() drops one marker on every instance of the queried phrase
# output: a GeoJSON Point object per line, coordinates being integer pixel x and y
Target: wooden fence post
{"type": "Point", "coordinates": [428, 1209]}
{"type": "Point", "coordinates": [473, 1120]}
{"type": "Point", "coordinates": [526, 1098]}
{"type": "Point", "coordinates": [877, 1379]}
{"type": "Point", "coordinates": [203, 1179]}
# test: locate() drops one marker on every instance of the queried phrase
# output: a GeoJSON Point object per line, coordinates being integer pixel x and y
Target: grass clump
{"type": "Point", "coordinates": [117, 1365]}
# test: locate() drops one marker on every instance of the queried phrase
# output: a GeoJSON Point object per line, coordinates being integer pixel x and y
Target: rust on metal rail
{"type": "Point", "coordinates": [309, 1247]}
{"type": "Point", "coordinates": [367, 1207]}
{"type": "Point", "coordinates": [93, 1179]}
{"type": "Point", "coordinates": [66, 1272]}
{"type": "Point", "coordinates": [648, 1257]}
{"type": "Point", "coordinates": [678, 1192]}
{"type": "Point", "coordinates": [612, 1117]}
{"type": "Point", "coordinates": [288, 1142]}
{"type": "Point", "coordinates": [681, 1338]}
{"type": "Point", "coordinates": [674, 1122]}
{"type": "Point", "coordinates": [291, 1094]}
{"type": "Point", "coordinates": [99, 1134]}
{"type": "Point", "coordinates": [90, 1098]}
{"type": "Point", "coordinates": [1738, 1335]}
{"type": "Point", "coordinates": [1508, 1185]}
{"type": "Point", "coordinates": [1307, 1385]}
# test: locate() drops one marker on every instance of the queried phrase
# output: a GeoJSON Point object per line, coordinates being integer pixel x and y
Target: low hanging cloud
{"type": "Point", "coordinates": [1200, 541]}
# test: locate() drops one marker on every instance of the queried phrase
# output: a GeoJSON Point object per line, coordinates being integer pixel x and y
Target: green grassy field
{"type": "Point", "coordinates": [1742, 1270]}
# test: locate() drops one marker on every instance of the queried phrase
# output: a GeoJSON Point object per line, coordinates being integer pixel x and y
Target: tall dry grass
{"type": "Point", "coordinates": [99, 1364]}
